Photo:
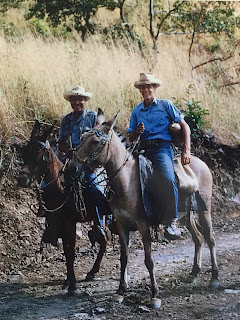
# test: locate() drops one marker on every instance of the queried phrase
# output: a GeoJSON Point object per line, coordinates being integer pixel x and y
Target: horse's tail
{"type": "Point", "coordinates": [195, 227]}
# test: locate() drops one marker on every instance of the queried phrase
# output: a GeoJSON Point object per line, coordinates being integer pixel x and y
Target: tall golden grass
{"type": "Point", "coordinates": [34, 73]}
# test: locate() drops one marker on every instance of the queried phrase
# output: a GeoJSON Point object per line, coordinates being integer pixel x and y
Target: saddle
{"type": "Point", "coordinates": [189, 197]}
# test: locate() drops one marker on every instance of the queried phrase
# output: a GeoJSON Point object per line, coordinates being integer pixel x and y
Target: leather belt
{"type": "Point", "coordinates": [151, 143]}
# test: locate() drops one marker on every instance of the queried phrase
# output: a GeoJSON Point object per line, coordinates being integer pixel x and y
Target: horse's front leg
{"type": "Point", "coordinates": [146, 238]}
{"type": "Point", "coordinates": [124, 241]}
{"type": "Point", "coordinates": [69, 238]}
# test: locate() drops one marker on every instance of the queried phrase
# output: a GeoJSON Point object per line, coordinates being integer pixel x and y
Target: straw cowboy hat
{"type": "Point", "coordinates": [77, 91]}
{"type": "Point", "coordinates": [147, 78]}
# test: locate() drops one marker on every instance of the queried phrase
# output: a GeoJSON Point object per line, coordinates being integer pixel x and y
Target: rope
{"type": "Point", "coordinates": [41, 202]}
{"type": "Point", "coordinates": [79, 200]}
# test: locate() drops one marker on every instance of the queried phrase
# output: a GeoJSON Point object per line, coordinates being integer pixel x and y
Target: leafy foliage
{"type": "Point", "coordinates": [193, 17]}
{"type": "Point", "coordinates": [204, 17]}
{"type": "Point", "coordinates": [194, 112]}
{"type": "Point", "coordinates": [7, 4]}
{"type": "Point", "coordinates": [77, 14]}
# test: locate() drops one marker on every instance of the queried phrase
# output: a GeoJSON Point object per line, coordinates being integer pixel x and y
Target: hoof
{"type": "Point", "coordinates": [214, 284]}
{"type": "Point", "coordinates": [89, 277]}
{"type": "Point", "coordinates": [117, 298]}
{"type": "Point", "coordinates": [155, 303]}
{"type": "Point", "coordinates": [72, 292]}
{"type": "Point", "coordinates": [65, 285]}
{"type": "Point", "coordinates": [191, 279]}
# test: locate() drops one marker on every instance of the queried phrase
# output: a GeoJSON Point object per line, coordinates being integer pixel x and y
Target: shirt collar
{"type": "Point", "coordinates": [81, 117]}
{"type": "Point", "coordinates": [154, 102]}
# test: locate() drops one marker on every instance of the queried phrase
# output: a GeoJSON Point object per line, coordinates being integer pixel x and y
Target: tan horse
{"type": "Point", "coordinates": [102, 146]}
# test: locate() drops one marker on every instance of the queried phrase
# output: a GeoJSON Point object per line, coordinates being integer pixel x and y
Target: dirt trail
{"type": "Point", "coordinates": [37, 295]}
{"type": "Point", "coordinates": [30, 284]}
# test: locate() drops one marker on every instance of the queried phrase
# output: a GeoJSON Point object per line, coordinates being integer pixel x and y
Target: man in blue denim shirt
{"type": "Point", "coordinates": [151, 119]}
{"type": "Point", "coordinates": [76, 122]}
{"type": "Point", "coordinates": [72, 127]}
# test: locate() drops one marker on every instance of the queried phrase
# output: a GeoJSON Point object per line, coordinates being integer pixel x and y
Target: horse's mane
{"type": "Point", "coordinates": [123, 139]}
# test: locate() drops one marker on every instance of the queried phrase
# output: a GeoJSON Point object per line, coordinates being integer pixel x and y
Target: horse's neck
{"type": "Point", "coordinates": [52, 172]}
{"type": "Point", "coordinates": [120, 164]}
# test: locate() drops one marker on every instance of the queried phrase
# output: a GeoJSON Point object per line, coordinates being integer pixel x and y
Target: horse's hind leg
{"type": "Point", "coordinates": [206, 223]}
{"type": "Point", "coordinates": [102, 240]}
{"type": "Point", "coordinates": [146, 238]}
{"type": "Point", "coordinates": [198, 241]}
{"type": "Point", "coordinates": [69, 238]}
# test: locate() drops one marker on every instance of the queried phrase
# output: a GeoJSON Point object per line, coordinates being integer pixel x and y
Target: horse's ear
{"type": "Point", "coordinates": [35, 130]}
{"type": "Point", "coordinates": [48, 132]}
{"type": "Point", "coordinates": [100, 117]}
{"type": "Point", "coordinates": [111, 123]}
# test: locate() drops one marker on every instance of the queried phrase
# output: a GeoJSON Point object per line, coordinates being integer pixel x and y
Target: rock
{"type": "Point", "coordinates": [144, 309]}
{"type": "Point", "coordinates": [100, 310]}
{"type": "Point", "coordinates": [82, 316]}
{"type": "Point", "coordinates": [235, 291]}
{"type": "Point", "coordinates": [235, 135]}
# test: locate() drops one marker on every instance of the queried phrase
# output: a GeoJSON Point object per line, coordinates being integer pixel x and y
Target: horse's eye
{"type": "Point", "coordinates": [95, 141]}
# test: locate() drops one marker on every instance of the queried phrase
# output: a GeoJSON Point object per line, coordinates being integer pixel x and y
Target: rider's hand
{"type": "Point", "coordinates": [140, 128]}
{"type": "Point", "coordinates": [185, 157]}
{"type": "Point", "coordinates": [69, 153]}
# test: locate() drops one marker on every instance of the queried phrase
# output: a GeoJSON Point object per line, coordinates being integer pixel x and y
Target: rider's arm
{"type": "Point", "coordinates": [185, 157]}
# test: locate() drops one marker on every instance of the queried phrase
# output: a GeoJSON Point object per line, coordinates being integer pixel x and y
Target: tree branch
{"type": "Point", "coordinates": [230, 84]}
{"type": "Point", "coordinates": [151, 13]}
{"type": "Point", "coordinates": [190, 48]}
{"type": "Point", "coordinates": [167, 15]}
{"type": "Point", "coordinates": [215, 59]}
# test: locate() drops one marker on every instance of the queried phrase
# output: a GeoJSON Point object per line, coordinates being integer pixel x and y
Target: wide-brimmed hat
{"type": "Point", "coordinates": [77, 91]}
{"type": "Point", "coordinates": [147, 78]}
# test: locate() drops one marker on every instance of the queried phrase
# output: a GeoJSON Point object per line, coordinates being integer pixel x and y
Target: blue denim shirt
{"type": "Point", "coordinates": [71, 127]}
{"type": "Point", "coordinates": [156, 119]}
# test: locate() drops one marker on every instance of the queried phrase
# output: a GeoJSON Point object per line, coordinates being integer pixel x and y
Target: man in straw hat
{"type": "Point", "coordinates": [76, 122]}
{"type": "Point", "coordinates": [73, 126]}
{"type": "Point", "coordinates": [150, 120]}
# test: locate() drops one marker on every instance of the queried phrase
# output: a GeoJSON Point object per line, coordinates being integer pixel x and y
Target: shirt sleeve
{"type": "Point", "coordinates": [133, 122]}
{"type": "Point", "coordinates": [174, 113]}
{"type": "Point", "coordinates": [63, 129]}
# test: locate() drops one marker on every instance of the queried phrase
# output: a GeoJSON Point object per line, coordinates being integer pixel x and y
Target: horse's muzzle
{"type": "Point", "coordinates": [24, 179]}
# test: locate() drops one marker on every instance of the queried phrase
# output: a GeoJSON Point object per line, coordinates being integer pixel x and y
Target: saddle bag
{"type": "Point", "coordinates": [186, 177]}
{"type": "Point", "coordinates": [176, 132]}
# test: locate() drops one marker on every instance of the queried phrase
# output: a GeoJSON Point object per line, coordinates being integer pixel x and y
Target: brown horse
{"type": "Point", "coordinates": [102, 146]}
{"type": "Point", "coordinates": [41, 163]}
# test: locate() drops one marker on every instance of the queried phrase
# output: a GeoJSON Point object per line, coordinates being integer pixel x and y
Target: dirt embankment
{"type": "Point", "coordinates": [30, 283]}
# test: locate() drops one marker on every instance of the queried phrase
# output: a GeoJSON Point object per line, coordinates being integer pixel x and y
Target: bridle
{"type": "Point", "coordinates": [105, 141]}
{"type": "Point", "coordinates": [45, 148]}
{"type": "Point", "coordinates": [41, 158]}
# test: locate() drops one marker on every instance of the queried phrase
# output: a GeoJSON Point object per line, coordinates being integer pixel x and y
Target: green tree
{"type": "Point", "coordinates": [77, 14]}
{"type": "Point", "coordinates": [7, 4]}
{"type": "Point", "coordinates": [191, 17]}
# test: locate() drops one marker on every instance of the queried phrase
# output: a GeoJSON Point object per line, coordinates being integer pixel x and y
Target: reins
{"type": "Point", "coordinates": [46, 146]}
{"type": "Point", "coordinates": [106, 140]}
{"type": "Point", "coordinates": [39, 191]}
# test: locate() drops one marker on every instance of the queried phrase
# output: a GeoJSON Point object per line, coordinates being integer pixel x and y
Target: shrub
{"type": "Point", "coordinates": [194, 112]}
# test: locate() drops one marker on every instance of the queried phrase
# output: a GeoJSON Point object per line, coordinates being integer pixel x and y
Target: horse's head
{"type": "Point", "coordinates": [35, 156]}
{"type": "Point", "coordinates": [94, 144]}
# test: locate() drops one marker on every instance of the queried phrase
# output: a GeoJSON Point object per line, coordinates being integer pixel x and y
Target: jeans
{"type": "Point", "coordinates": [161, 156]}
{"type": "Point", "coordinates": [96, 193]}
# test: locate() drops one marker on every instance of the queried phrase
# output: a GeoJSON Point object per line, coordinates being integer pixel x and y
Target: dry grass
{"type": "Point", "coordinates": [35, 72]}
